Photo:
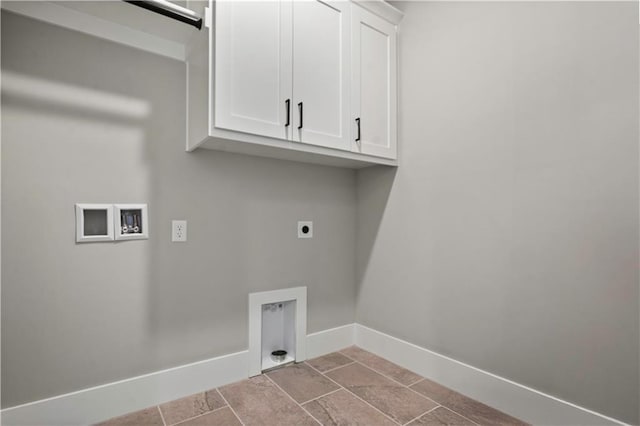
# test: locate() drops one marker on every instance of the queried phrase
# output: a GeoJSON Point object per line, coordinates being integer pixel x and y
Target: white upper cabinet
{"type": "Point", "coordinates": [253, 67]}
{"type": "Point", "coordinates": [373, 90]}
{"type": "Point", "coordinates": [321, 73]}
{"type": "Point", "coordinates": [287, 79]}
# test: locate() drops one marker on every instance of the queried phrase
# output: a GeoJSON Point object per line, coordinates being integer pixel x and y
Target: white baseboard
{"type": "Point", "coordinates": [102, 402]}
{"type": "Point", "coordinates": [99, 403]}
{"type": "Point", "coordinates": [513, 398]}
{"type": "Point", "coordinates": [331, 340]}
{"type": "Point", "coordinates": [113, 399]}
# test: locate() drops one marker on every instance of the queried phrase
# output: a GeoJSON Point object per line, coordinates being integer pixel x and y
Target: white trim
{"type": "Point", "coordinates": [513, 398]}
{"type": "Point", "coordinates": [332, 340]}
{"type": "Point", "coordinates": [113, 399]}
{"type": "Point", "coordinates": [256, 300]}
{"type": "Point", "coordinates": [80, 235]}
{"type": "Point", "coordinates": [99, 403]}
{"type": "Point", "coordinates": [72, 19]}
{"type": "Point", "coordinates": [382, 9]}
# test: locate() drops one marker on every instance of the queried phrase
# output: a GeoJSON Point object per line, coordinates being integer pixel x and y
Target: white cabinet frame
{"type": "Point", "coordinates": [202, 93]}
{"type": "Point", "coordinates": [374, 84]}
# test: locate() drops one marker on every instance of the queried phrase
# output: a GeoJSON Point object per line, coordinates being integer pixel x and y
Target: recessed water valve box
{"type": "Point", "coordinates": [277, 328]}
{"type": "Point", "coordinates": [278, 334]}
{"type": "Point", "coordinates": [131, 222]}
{"type": "Point", "coordinates": [94, 222]}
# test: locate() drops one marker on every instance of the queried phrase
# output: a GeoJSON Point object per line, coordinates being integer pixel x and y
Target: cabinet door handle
{"type": "Point", "coordinates": [358, 123]}
{"type": "Point", "coordinates": [288, 106]}
{"type": "Point", "coordinates": [300, 110]}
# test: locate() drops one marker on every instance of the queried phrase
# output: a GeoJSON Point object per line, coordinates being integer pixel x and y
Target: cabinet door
{"type": "Point", "coordinates": [321, 72]}
{"type": "Point", "coordinates": [253, 67]}
{"type": "Point", "coordinates": [373, 94]}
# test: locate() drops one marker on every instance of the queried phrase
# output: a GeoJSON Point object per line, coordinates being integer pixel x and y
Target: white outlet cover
{"type": "Point", "coordinates": [305, 225]}
{"type": "Point", "coordinates": [178, 231]}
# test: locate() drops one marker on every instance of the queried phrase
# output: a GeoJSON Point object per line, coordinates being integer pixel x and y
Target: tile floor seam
{"type": "Point", "coordinates": [347, 356]}
{"type": "Point", "coordinates": [331, 369]}
{"type": "Point", "coordinates": [444, 406]}
{"type": "Point", "coordinates": [464, 417]}
{"type": "Point", "coordinates": [296, 402]}
{"type": "Point", "coordinates": [199, 415]}
{"type": "Point", "coordinates": [382, 374]}
{"type": "Point", "coordinates": [161, 416]}
{"type": "Point", "coordinates": [406, 386]}
{"type": "Point", "coordinates": [397, 382]}
{"type": "Point", "coordinates": [423, 414]}
{"type": "Point", "coordinates": [375, 408]}
{"type": "Point", "coordinates": [223, 398]}
{"type": "Point", "coordinates": [307, 365]}
{"type": "Point", "coordinates": [371, 368]}
{"type": "Point", "coordinates": [321, 396]}
{"type": "Point", "coordinates": [424, 396]}
{"type": "Point", "coordinates": [230, 407]}
{"type": "Point", "coordinates": [416, 382]}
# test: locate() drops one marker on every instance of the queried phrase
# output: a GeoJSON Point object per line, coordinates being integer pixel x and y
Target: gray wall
{"type": "Point", "coordinates": [508, 237]}
{"type": "Point", "coordinates": [77, 315]}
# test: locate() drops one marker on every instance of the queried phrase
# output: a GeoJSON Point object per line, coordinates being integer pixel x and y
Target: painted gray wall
{"type": "Point", "coordinates": [78, 315]}
{"type": "Point", "coordinates": [508, 237]}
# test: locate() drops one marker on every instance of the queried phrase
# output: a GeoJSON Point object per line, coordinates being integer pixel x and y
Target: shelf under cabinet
{"type": "Point", "coordinates": [285, 150]}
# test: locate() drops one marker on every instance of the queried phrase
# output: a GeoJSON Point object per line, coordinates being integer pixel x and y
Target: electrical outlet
{"type": "Point", "coordinates": [178, 231]}
{"type": "Point", "coordinates": [305, 229]}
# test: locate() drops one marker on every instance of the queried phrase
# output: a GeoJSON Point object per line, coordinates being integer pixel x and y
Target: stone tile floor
{"type": "Point", "coordinates": [350, 387]}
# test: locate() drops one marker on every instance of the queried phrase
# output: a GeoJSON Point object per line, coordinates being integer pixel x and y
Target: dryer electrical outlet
{"type": "Point", "coordinates": [305, 229]}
